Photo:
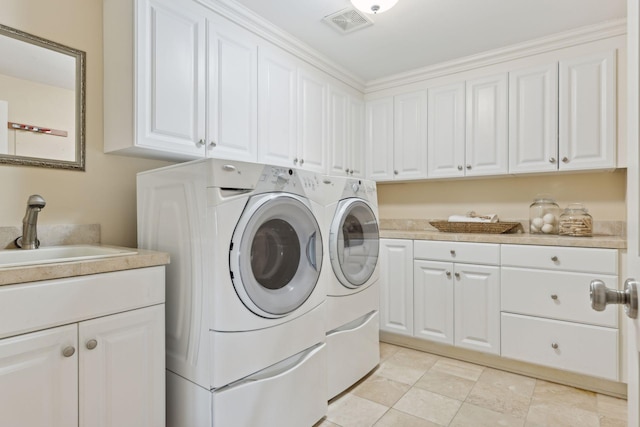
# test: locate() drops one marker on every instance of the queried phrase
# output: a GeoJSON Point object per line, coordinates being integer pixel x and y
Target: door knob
{"type": "Point", "coordinates": [601, 296]}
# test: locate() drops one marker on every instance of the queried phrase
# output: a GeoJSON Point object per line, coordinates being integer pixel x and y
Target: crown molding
{"type": "Point", "coordinates": [565, 39]}
{"type": "Point", "coordinates": [256, 24]}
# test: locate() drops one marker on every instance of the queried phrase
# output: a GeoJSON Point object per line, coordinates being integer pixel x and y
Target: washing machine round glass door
{"type": "Point", "coordinates": [275, 254]}
{"type": "Point", "coordinates": [354, 242]}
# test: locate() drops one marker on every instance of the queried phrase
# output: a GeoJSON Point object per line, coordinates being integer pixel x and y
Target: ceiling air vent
{"type": "Point", "coordinates": [347, 20]}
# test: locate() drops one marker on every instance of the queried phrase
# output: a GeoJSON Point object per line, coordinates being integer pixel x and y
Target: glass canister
{"type": "Point", "coordinates": [543, 215]}
{"type": "Point", "coordinates": [576, 221]}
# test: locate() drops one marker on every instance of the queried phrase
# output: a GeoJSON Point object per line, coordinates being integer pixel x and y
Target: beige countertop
{"type": "Point", "coordinates": [597, 241]}
{"type": "Point", "coordinates": [32, 273]}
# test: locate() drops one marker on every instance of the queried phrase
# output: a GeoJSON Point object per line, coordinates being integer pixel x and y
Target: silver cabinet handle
{"type": "Point", "coordinates": [554, 258]}
{"type": "Point", "coordinates": [468, 166]}
{"type": "Point", "coordinates": [554, 297]}
{"type": "Point", "coordinates": [295, 161]}
{"type": "Point", "coordinates": [460, 167]}
{"type": "Point", "coordinates": [554, 346]}
{"type": "Point", "coordinates": [212, 144]}
{"type": "Point", "coordinates": [552, 159]}
{"type": "Point", "coordinates": [565, 160]}
{"type": "Point", "coordinates": [457, 275]}
{"type": "Point", "coordinates": [452, 252]}
{"type": "Point", "coordinates": [91, 344]}
{"type": "Point", "coordinates": [200, 143]}
{"type": "Point", "coordinates": [395, 172]}
{"type": "Point", "coordinates": [448, 273]}
{"type": "Point", "coordinates": [68, 351]}
{"type": "Point", "coordinates": [351, 172]}
{"type": "Point", "coordinates": [601, 296]}
{"type": "Point", "coordinates": [301, 162]}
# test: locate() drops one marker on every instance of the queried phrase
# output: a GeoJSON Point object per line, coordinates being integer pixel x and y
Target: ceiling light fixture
{"type": "Point", "coordinates": [373, 6]}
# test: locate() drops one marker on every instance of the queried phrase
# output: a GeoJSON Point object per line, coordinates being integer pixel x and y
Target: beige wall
{"type": "Point", "coordinates": [603, 193]}
{"type": "Point", "coordinates": [105, 193]}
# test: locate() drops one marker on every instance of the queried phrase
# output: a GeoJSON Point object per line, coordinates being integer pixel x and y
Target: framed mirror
{"type": "Point", "coordinates": [42, 102]}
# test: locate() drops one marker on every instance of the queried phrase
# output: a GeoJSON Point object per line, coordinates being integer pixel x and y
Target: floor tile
{"type": "Point", "coordinates": [513, 382]}
{"type": "Point", "coordinates": [445, 384]}
{"type": "Point", "coordinates": [612, 408]}
{"type": "Point", "coordinates": [561, 394]}
{"type": "Point", "coordinates": [458, 368]}
{"type": "Point", "coordinates": [381, 390]}
{"type": "Point", "coordinates": [547, 413]}
{"type": "Point", "coordinates": [474, 416]}
{"type": "Point", "coordinates": [387, 350]}
{"type": "Point", "coordinates": [398, 371]}
{"type": "Point", "coordinates": [394, 418]}
{"type": "Point", "coordinates": [353, 411]}
{"type": "Point", "coordinates": [429, 406]}
{"type": "Point", "coordinates": [611, 422]}
{"type": "Point", "coordinates": [500, 399]}
{"type": "Point", "coordinates": [325, 423]}
{"type": "Point", "coordinates": [414, 358]}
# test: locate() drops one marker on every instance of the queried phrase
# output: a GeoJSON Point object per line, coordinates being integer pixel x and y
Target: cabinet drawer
{"type": "Point", "coordinates": [555, 294]}
{"type": "Point", "coordinates": [476, 253]}
{"type": "Point", "coordinates": [585, 260]}
{"type": "Point", "coordinates": [585, 349]}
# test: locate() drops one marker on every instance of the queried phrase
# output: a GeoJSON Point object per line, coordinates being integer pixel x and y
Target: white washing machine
{"type": "Point", "coordinates": [353, 292]}
{"type": "Point", "coordinates": [245, 304]}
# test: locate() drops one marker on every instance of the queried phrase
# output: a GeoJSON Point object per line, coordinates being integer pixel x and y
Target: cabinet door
{"type": "Point", "coordinates": [38, 383]}
{"type": "Point", "coordinates": [339, 137]}
{"type": "Point", "coordinates": [356, 138]}
{"type": "Point", "coordinates": [446, 131]}
{"type": "Point", "coordinates": [312, 121]}
{"type": "Point", "coordinates": [122, 376]}
{"type": "Point", "coordinates": [477, 307]}
{"type": "Point", "coordinates": [277, 89]}
{"type": "Point", "coordinates": [170, 77]}
{"type": "Point", "coordinates": [533, 119]}
{"type": "Point", "coordinates": [379, 139]}
{"type": "Point", "coordinates": [396, 286]}
{"type": "Point", "coordinates": [410, 136]}
{"type": "Point", "coordinates": [433, 301]}
{"type": "Point", "coordinates": [486, 149]}
{"type": "Point", "coordinates": [588, 112]}
{"type": "Point", "coordinates": [232, 119]}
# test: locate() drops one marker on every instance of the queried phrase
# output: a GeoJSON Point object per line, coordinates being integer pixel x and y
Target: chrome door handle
{"type": "Point", "coordinates": [312, 254]}
{"type": "Point", "coordinates": [601, 296]}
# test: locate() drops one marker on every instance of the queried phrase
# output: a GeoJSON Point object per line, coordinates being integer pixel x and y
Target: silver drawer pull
{"type": "Point", "coordinates": [554, 346]}
{"type": "Point", "coordinates": [452, 252]}
{"type": "Point", "coordinates": [554, 297]}
{"type": "Point", "coordinates": [448, 273]}
{"type": "Point", "coordinates": [457, 275]}
{"type": "Point", "coordinates": [68, 351]}
{"type": "Point", "coordinates": [91, 344]}
{"type": "Point", "coordinates": [554, 258]}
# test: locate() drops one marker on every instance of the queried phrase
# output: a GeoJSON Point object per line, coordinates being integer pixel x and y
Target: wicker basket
{"type": "Point", "coordinates": [476, 227]}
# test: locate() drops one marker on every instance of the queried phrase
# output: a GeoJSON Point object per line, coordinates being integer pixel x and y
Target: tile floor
{"type": "Point", "coordinates": [415, 389]}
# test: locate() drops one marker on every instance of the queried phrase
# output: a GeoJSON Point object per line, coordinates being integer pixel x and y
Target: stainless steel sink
{"type": "Point", "coordinates": [54, 254]}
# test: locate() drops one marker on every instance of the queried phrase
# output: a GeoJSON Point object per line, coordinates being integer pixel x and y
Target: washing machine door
{"type": "Point", "coordinates": [275, 254]}
{"type": "Point", "coordinates": [354, 242]}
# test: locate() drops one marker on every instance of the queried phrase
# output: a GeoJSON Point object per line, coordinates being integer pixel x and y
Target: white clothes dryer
{"type": "Point", "coordinates": [353, 293]}
{"type": "Point", "coordinates": [245, 303]}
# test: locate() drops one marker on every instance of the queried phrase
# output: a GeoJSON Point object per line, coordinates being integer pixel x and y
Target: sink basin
{"type": "Point", "coordinates": [53, 254]}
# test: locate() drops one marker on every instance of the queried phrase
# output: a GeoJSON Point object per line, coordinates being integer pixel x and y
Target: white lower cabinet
{"type": "Point", "coordinates": [457, 303]}
{"type": "Point", "coordinates": [547, 317]}
{"type": "Point", "coordinates": [396, 290]}
{"type": "Point", "coordinates": [63, 370]}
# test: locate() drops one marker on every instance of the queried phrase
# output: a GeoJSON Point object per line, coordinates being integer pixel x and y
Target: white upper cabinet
{"type": "Point", "coordinates": [162, 61]}
{"type": "Point", "coordinates": [588, 112]}
{"type": "Point", "coordinates": [410, 135]}
{"type": "Point", "coordinates": [446, 131]}
{"type": "Point", "coordinates": [232, 113]}
{"type": "Point", "coordinates": [345, 134]}
{"type": "Point", "coordinates": [379, 139]}
{"type": "Point", "coordinates": [312, 121]}
{"type": "Point", "coordinates": [356, 141]}
{"type": "Point", "coordinates": [277, 98]}
{"type": "Point", "coordinates": [487, 126]}
{"type": "Point", "coordinates": [533, 119]}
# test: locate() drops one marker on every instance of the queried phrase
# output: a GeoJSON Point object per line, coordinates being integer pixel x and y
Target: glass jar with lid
{"type": "Point", "coordinates": [576, 221]}
{"type": "Point", "coordinates": [543, 215]}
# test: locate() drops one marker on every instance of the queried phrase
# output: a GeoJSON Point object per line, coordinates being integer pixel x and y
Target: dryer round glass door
{"type": "Point", "coordinates": [354, 242]}
{"type": "Point", "coordinates": [275, 254]}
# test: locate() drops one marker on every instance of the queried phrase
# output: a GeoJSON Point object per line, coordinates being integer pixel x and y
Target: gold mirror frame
{"type": "Point", "coordinates": [80, 88]}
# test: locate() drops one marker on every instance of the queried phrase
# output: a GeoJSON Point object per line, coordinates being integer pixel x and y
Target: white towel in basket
{"type": "Point", "coordinates": [472, 217]}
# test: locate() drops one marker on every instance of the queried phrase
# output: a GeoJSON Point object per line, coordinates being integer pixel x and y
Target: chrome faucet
{"type": "Point", "coordinates": [29, 238]}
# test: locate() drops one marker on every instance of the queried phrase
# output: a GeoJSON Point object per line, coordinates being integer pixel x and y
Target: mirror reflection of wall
{"type": "Point", "coordinates": [41, 102]}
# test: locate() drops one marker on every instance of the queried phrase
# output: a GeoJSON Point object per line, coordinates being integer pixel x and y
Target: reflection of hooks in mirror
{"type": "Point", "coordinates": [52, 94]}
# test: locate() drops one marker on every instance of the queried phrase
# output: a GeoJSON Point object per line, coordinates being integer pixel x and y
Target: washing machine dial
{"type": "Point", "coordinates": [282, 179]}
{"type": "Point", "coordinates": [355, 187]}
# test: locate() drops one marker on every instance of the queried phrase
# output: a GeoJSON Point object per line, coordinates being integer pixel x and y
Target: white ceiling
{"type": "Point", "coordinates": [419, 33]}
